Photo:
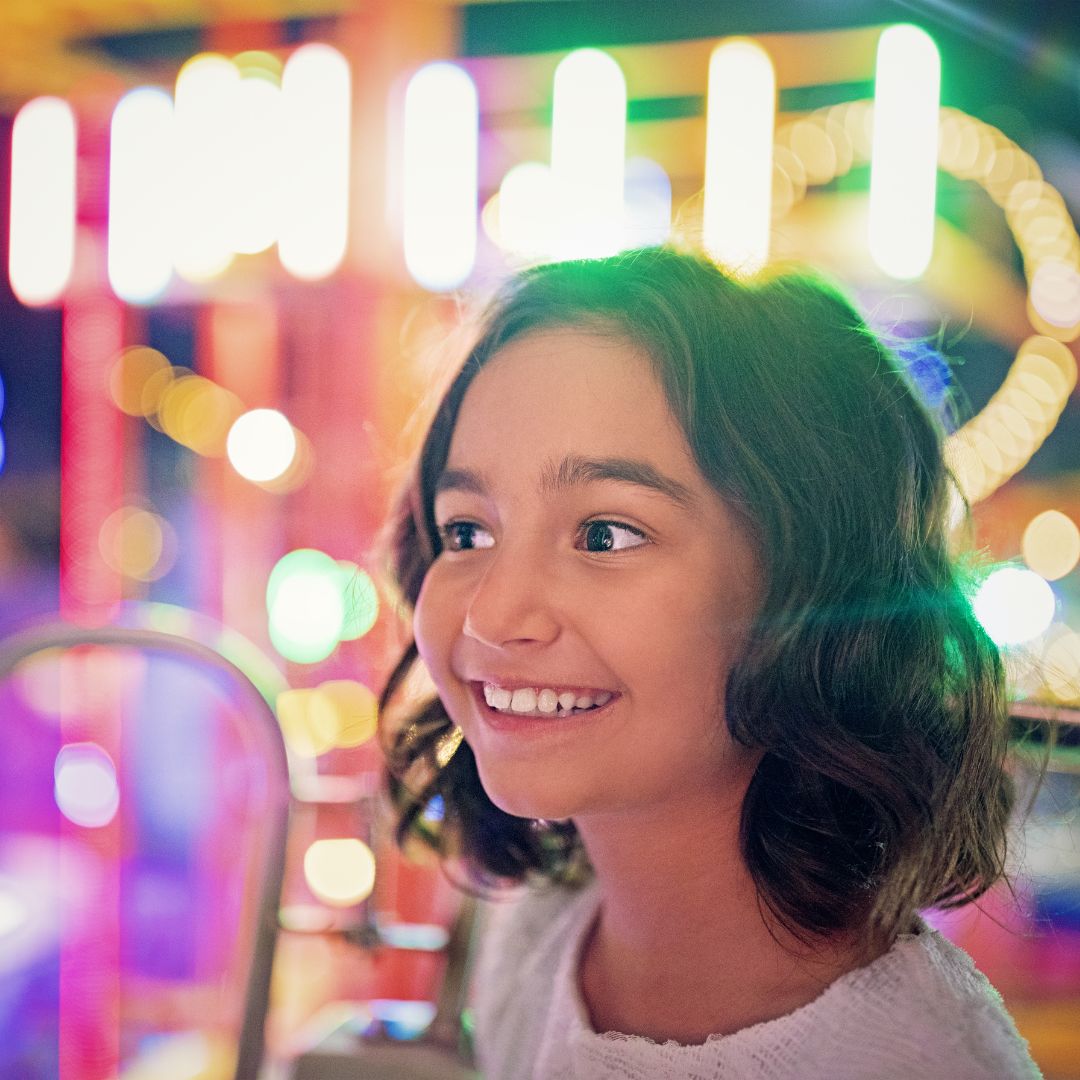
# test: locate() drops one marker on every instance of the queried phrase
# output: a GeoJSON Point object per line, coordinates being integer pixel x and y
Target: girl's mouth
{"type": "Point", "coordinates": [540, 702]}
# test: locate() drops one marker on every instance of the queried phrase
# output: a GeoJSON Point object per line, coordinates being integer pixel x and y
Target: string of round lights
{"type": "Point", "coordinates": [995, 444]}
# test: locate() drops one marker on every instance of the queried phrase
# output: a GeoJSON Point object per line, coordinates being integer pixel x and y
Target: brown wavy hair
{"type": "Point", "coordinates": [875, 697]}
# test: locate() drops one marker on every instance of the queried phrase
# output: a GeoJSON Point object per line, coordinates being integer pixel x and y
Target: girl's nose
{"type": "Point", "coordinates": [511, 604]}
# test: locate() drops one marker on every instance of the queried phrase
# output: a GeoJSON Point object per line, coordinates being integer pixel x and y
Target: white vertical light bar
{"type": "Point", "coordinates": [903, 166]}
{"type": "Point", "coordinates": [204, 117]}
{"type": "Point", "coordinates": [588, 154]}
{"type": "Point", "coordinates": [141, 167]}
{"type": "Point", "coordinates": [439, 204]}
{"type": "Point", "coordinates": [41, 252]}
{"type": "Point", "coordinates": [316, 95]}
{"type": "Point", "coordinates": [738, 155]}
{"type": "Point", "coordinates": [256, 153]}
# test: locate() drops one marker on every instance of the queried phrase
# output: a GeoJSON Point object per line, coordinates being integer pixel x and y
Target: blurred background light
{"type": "Point", "coordinates": [994, 445]}
{"type": "Point", "coordinates": [85, 785]}
{"type": "Point", "coordinates": [2, 451]}
{"type": "Point", "coordinates": [337, 714]}
{"type": "Point", "coordinates": [199, 414]}
{"type": "Point", "coordinates": [252, 172]}
{"type": "Point", "coordinates": [403, 1020]}
{"type": "Point", "coordinates": [738, 155]}
{"type": "Point", "coordinates": [41, 249]}
{"type": "Point", "coordinates": [1051, 544]}
{"type": "Point", "coordinates": [261, 444]}
{"type": "Point", "coordinates": [137, 543]}
{"type": "Point", "coordinates": [647, 203]}
{"type": "Point", "coordinates": [340, 871]}
{"type": "Point", "coordinates": [361, 601]}
{"type": "Point", "coordinates": [204, 112]}
{"type": "Point", "coordinates": [14, 912]}
{"type": "Point", "coordinates": [1014, 605]}
{"type": "Point", "coordinates": [141, 176]}
{"type": "Point", "coordinates": [903, 166]}
{"type": "Point", "coordinates": [1061, 665]}
{"type": "Point", "coordinates": [347, 709]}
{"type": "Point", "coordinates": [1055, 294]}
{"type": "Point", "coordinates": [588, 154]}
{"type": "Point", "coordinates": [316, 92]}
{"type": "Point", "coordinates": [129, 376]}
{"type": "Point", "coordinates": [526, 211]}
{"type": "Point", "coordinates": [439, 206]}
{"type": "Point", "coordinates": [307, 732]}
{"type": "Point", "coordinates": [305, 605]}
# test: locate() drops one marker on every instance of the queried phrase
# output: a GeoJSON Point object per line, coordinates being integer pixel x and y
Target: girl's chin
{"type": "Point", "coordinates": [528, 804]}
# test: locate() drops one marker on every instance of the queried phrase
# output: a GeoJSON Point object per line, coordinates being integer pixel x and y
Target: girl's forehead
{"type": "Point", "coordinates": [568, 394]}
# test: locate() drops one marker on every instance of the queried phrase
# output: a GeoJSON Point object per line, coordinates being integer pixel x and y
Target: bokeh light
{"type": "Point", "coordinates": [903, 168]}
{"type": "Point", "coordinates": [205, 128]}
{"type": "Point", "coordinates": [993, 445]}
{"type": "Point", "coordinates": [1055, 293]}
{"type": "Point", "coordinates": [1061, 666]}
{"type": "Point", "coordinates": [261, 444]}
{"type": "Point", "coordinates": [361, 601]}
{"type": "Point", "coordinates": [526, 221]}
{"type": "Point", "coordinates": [647, 201]}
{"type": "Point", "coordinates": [588, 154]}
{"type": "Point", "coordinates": [129, 376]}
{"type": "Point", "coordinates": [199, 414]}
{"type": "Point", "coordinates": [141, 175]}
{"type": "Point", "coordinates": [1014, 605]}
{"type": "Point", "coordinates": [439, 201]}
{"type": "Point", "coordinates": [738, 155]}
{"type": "Point", "coordinates": [348, 709]}
{"type": "Point", "coordinates": [305, 605]}
{"type": "Point", "coordinates": [316, 95]}
{"type": "Point", "coordinates": [307, 733]}
{"type": "Point", "coordinates": [14, 912]}
{"type": "Point", "coordinates": [41, 248]}
{"type": "Point", "coordinates": [340, 872]}
{"type": "Point", "coordinates": [85, 785]}
{"type": "Point", "coordinates": [1051, 544]}
{"type": "Point", "coordinates": [137, 543]}
{"type": "Point", "coordinates": [253, 173]}
{"type": "Point", "coordinates": [338, 714]}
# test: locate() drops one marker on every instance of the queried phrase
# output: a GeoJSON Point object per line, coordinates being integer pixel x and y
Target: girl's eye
{"type": "Point", "coordinates": [611, 536]}
{"type": "Point", "coordinates": [465, 536]}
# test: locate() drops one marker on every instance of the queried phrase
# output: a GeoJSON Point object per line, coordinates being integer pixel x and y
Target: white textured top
{"type": "Point", "coordinates": [921, 1010]}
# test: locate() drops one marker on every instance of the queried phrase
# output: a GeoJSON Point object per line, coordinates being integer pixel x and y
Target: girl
{"type": "Point", "coordinates": [708, 687]}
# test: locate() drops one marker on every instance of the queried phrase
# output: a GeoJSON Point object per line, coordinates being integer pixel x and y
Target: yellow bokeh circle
{"type": "Point", "coordinates": [340, 872]}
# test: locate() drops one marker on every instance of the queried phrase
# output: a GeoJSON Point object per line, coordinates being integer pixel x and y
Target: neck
{"type": "Point", "coordinates": [683, 947]}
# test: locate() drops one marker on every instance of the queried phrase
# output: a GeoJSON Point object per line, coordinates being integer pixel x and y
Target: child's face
{"type": "Point", "coordinates": [556, 575]}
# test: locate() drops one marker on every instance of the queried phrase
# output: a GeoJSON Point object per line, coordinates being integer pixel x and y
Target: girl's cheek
{"type": "Point", "coordinates": [432, 623]}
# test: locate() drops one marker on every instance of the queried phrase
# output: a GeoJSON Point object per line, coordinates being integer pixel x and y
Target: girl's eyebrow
{"type": "Point", "coordinates": [575, 470]}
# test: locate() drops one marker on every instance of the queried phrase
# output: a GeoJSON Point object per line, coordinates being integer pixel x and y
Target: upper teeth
{"type": "Point", "coordinates": [541, 700]}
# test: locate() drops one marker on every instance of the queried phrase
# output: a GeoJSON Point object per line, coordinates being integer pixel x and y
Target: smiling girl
{"type": "Point", "coordinates": [708, 687]}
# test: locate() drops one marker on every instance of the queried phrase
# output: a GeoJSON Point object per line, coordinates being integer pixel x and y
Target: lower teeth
{"type": "Point", "coordinates": [557, 713]}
